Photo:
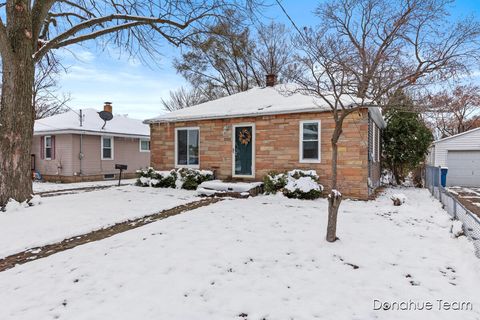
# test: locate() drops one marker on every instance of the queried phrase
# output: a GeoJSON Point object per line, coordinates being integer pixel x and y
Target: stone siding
{"type": "Point", "coordinates": [276, 147]}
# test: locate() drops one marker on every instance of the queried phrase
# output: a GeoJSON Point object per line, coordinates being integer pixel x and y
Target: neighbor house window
{"type": "Point", "coordinates": [310, 141]}
{"type": "Point", "coordinates": [187, 145]}
{"type": "Point", "coordinates": [144, 145]}
{"type": "Point", "coordinates": [107, 148]}
{"type": "Point", "coordinates": [47, 145]}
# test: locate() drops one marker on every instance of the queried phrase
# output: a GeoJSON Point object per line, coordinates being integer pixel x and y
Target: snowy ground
{"type": "Point", "coordinates": [57, 218]}
{"type": "Point", "coordinates": [49, 186]}
{"type": "Point", "coordinates": [260, 258]}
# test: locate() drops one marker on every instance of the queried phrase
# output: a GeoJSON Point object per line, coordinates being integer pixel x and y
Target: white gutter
{"type": "Point", "coordinates": [240, 115]}
{"type": "Point", "coordinates": [90, 132]}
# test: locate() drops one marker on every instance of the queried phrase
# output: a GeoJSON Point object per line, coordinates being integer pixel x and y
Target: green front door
{"type": "Point", "coordinates": [243, 161]}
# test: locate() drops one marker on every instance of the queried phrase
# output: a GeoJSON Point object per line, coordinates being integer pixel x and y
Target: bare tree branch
{"type": "Point", "coordinates": [134, 21]}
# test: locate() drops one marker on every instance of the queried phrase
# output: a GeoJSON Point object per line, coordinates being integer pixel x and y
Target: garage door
{"type": "Point", "coordinates": [463, 168]}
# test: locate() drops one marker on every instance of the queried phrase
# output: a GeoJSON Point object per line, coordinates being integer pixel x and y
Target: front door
{"type": "Point", "coordinates": [244, 150]}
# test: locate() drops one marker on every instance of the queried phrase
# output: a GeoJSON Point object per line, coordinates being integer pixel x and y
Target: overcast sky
{"type": "Point", "coordinates": [95, 76]}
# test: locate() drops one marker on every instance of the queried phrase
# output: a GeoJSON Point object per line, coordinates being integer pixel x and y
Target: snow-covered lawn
{"type": "Point", "coordinates": [260, 258]}
{"type": "Point", "coordinates": [57, 218]}
{"type": "Point", "coordinates": [49, 186]}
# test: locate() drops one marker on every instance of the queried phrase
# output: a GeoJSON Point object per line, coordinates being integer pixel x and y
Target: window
{"type": "Point", "coordinates": [186, 145]}
{"type": "Point", "coordinates": [310, 141]}
{"type": "Point", "coordinates": [107, 148]}
{"type": "Point", "coordinates": [144, 145]}
{"type": "Point", "coordinates": [47, 147]}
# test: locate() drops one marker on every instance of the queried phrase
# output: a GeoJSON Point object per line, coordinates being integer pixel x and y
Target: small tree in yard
{"type": "Point", "coordinates": [364, 50]}
{"type": "Point", "coordinates": [29, 30]}
{"type": "Point", "coordinates": [406, 138]}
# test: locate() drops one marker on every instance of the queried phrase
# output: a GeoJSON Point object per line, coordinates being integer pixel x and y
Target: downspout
{"type": "Point", "coordinates": [80, 155]}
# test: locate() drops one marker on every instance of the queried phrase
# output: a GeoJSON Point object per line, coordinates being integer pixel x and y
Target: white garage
{"type": "Point", "coordinates": [461, 155]}
{"type": "Point", "coordinates": [463, 168]}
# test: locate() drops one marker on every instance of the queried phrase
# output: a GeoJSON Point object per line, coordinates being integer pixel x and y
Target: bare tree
{"type": "Point", "coordinates": [365, 50]}
{"type": "Point", "coordinates": [221, 60]}
{"type": "Point", "coordinates": [29, 30]}
{"type": "Point", "coordinates": [183, 98]}
{"type": "Point", "coordinates": [274, 53]}
{"type": "Point", "coordinates": [46, 99]}
{"type": "Point", "coordinates": [233, 58]}
{"type": "Point", "coordinates": [457, 110]}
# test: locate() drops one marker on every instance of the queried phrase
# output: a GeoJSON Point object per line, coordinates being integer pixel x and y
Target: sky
{"type": "Point", "coordinates": [95, 75]}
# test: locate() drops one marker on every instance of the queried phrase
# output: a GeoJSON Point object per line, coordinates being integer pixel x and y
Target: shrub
{"type": "Point", "coordinates": [182, 178]}
{"type": "Point", "coordinates": [298, 184]}
{"type": "Point", "coordinates": [191, 178]}
{"type": "Point", "coordinates": [303, 188]}
{"type": "Point", "coordinates": [274, 182]}
{"type": "Point", "coordinates": [144, 177]}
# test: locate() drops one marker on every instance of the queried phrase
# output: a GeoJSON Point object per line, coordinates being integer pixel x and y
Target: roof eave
{"type": "Point", "coordinates": [242, 115]}
{"type": "Point", "coordinates": [456, 135]}
{"type": "Point", "coordinates": [90, 132]}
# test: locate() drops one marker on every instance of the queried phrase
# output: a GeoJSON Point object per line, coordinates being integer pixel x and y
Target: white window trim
{"type": "Point", "coordinates": [193, 166]}
{"type": "Point", "coordinates": [253, 150]}
{"type": "Point", "coordinates": [45, 147]}
{"type": "Point", "coordinates": [112, 147]}
{"type": "Point", "coordinates": [140, 145]}
{"type": "Point", "coordinates": [300, 142]}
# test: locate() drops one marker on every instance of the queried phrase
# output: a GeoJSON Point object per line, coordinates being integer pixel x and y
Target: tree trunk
{"type": "Point", "coordinates": [335, 197]}
{"type": "Point", "coordinates": [16, 111]}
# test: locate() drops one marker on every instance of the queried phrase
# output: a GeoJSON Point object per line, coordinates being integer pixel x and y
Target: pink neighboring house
{"type": "Point", "coordinates": [68, 150]}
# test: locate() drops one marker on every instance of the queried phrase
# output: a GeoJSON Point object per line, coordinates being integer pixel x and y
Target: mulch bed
{"type": "Point", "coordinates": [70, 243]}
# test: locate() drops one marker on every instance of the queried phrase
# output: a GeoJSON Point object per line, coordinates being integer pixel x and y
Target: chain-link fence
{"type": "Point", "coordinates": [470, 221]}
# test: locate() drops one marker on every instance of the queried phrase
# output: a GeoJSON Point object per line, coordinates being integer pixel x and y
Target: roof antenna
{"type": "Point", "coordinates": [106, 114]}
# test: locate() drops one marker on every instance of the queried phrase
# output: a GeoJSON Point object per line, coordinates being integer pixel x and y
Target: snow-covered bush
{"type": "Point", "coordinates": [144, 177]}
{"type": "Point", "coordinates": [184, 178]}
{"type": "Point", "coordinates": [163, 179]}
{"type": "Point", "coordinates": [191, 178]}
{"type": "Point", "coordinates": [298, 184]}
{"type": "Point", "coordinates": [274, 182]}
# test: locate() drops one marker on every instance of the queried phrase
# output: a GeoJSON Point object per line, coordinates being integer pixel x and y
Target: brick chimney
{"type": "Point", "coordinates": [107, 107]}
{"type": "Point", "coordinates": [271, 80]}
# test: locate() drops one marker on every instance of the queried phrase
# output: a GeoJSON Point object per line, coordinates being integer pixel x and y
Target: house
{"type": "Point", "coordinates": [80, 146]}
{"type": "Point", "coordinates": [248, 134]}
{"type": "Point", "coordinates": [459, 153]}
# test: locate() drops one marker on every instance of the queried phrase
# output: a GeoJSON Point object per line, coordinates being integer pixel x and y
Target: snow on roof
{"type": "Point", "coordinates": [456, 135]}
{"type": "Point", "coordinates": [69, 122]}
{"type": "Point", "coordinates": [280, 99]}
